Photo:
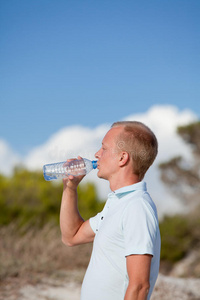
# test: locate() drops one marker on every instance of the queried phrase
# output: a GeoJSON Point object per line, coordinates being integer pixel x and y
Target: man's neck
{"type": "Point", "coordinates": [122, 181]}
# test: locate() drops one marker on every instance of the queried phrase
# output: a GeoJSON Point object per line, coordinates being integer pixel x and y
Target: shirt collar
{"type": "Point", "coordinates": [129, 188]}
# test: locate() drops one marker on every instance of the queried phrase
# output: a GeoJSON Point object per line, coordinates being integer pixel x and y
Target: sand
{"type": "Point", "coordinates": [166, 288]}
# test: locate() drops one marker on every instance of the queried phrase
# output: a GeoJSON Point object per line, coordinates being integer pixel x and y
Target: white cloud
{"type": "Point", "coordinates": [78, 140]}
{"type": "Point", "coordinates": [164, 120]}
{"type": "Point", "coordinates": [8, 159]}
{"type": "Point", "coordinates": [66, 143]}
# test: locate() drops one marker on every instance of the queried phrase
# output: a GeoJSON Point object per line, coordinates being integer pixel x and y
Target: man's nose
{"type": "Point", "coordinates": [97, 154]}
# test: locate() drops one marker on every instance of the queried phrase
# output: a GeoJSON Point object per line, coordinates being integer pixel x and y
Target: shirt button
{"type": "Point", "coordinates": [101, 218]}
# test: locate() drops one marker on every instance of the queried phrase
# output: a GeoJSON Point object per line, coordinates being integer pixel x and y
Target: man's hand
{"type": "Point", "coordinates": [71, 181]}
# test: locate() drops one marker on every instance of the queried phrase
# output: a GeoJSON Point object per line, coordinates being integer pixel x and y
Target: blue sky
{"type": "Point", "coordinates": [65, 62]}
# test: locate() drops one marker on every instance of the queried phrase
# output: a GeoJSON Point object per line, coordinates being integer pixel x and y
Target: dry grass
{"type": "Point", "coordinates": [38, 258]}
{"type": "Point", "coordinates": [31, 254]}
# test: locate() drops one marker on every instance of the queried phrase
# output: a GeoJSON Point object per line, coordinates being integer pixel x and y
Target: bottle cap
{"type": "Point", "coordinates": [94, 164]}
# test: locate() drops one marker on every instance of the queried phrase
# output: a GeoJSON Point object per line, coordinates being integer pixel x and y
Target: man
{"type": "Point", "coordinates": [126, 251]}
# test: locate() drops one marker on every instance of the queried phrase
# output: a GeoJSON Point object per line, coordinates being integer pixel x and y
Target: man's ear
{"type": "Point", "coordinates": [124, 157]}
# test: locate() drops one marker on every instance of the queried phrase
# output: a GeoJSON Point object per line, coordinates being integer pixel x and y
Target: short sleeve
{"type": "Point", "coordinates": [139, 228]}
{"type": "Point", "coordinates": [94, 221]}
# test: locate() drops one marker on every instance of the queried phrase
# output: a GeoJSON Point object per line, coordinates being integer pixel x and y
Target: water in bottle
{"type": "Point", "coordinates": [74, 167]}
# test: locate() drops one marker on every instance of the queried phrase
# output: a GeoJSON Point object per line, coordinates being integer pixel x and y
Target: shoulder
{"type": "Point", "coordinates": [140, 208]}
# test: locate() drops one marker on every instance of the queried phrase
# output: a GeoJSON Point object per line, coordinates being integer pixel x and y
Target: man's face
{"type": "Point", "coordinates": [108, 155]}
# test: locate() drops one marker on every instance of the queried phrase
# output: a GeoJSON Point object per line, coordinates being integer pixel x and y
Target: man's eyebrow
{"type": "Point", "coordinates": [103, 144]}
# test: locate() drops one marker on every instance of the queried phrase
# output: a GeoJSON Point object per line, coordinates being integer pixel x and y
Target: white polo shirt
{"type": "Point", "coordinates": [127, 225]}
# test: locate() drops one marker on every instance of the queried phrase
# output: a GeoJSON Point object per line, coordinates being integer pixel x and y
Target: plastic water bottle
{"type": "Point", "coordinates": [63, 169]}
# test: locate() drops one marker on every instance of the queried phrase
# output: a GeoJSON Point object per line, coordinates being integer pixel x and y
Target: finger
{"type": "Point", "coordinates": [70, 177]}
{"type": "Point", "coordinates": [68, 160]}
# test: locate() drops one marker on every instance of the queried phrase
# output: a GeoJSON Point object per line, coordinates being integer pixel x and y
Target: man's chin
{"type": "Point", "coordinates": [101, 175]}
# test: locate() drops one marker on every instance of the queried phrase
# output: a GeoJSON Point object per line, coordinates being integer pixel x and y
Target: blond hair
{"type": "Point", "coordinates": [140, 143]}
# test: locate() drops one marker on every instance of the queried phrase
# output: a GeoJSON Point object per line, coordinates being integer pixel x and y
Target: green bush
{"type": "Point", "coordinates": [26, 198]}
{"type": "Point", "coordinates": [179, 234]}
